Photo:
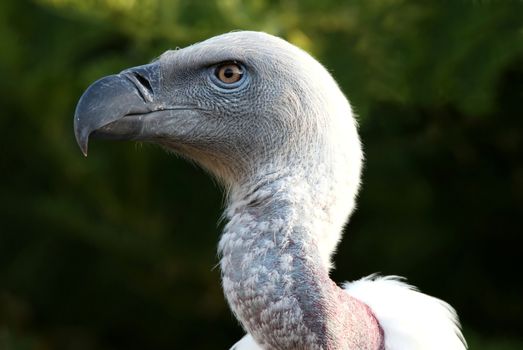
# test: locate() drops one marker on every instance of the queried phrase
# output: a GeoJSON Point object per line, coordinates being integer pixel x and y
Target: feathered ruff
{"type": "Point", "coordinates": [246, 343]}
{"type": "Point", "coordinates": [410, 320]}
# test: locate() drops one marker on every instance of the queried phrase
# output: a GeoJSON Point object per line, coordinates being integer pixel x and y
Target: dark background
{"type": "Point", "coordinates": [118, 251]}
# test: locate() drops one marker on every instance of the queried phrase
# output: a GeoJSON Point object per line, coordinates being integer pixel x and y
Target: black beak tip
{"type": "Point", "coordinates": [82, 136]}
{"type": "Point", "coordinates": [110, 99]}
{"type": "Point", "coordinates": [84, 149]}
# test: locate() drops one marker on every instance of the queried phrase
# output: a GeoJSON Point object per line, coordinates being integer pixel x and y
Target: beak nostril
{"type": "Point", "coordinates": [144, 82]}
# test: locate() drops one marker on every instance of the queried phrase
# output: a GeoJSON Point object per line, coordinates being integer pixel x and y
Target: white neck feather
{"type": "Point", "coordinates": [276, 280]}
{"type": "Point", "coordinates": [410, 320]}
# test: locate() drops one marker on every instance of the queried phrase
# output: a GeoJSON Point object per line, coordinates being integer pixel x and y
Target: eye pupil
{"type": "Point", "coordinates": [229, 73]}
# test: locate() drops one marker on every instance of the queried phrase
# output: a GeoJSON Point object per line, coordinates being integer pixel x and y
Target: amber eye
{"type": "Point", "coordinates": [229, 73]}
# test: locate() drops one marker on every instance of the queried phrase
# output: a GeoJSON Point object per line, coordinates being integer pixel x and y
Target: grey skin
{"type": "Point", "coordinates": [284, 145]}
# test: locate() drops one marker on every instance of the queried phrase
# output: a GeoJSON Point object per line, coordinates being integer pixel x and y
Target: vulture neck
{"type": "Point", "coordinates": [274, 277]}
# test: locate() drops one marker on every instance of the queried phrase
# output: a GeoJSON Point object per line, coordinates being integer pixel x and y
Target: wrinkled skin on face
{"type": "Point", "coordinates": [272, 115]}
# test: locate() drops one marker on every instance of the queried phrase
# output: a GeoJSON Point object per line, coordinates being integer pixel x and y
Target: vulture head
{"type": "Point", "coordinates": [246, 106]}
{"type": "Point", "coordinates": [271, 124]}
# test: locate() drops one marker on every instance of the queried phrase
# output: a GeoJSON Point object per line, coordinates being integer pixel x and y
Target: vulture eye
{"type": "Point", "coordinates": [229, 74]}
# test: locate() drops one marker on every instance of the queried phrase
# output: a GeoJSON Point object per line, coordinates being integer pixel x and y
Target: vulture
{"type": "Point", "coordinates": [271, 124]}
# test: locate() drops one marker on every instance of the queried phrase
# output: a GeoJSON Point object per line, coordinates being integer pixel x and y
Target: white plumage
{"type": "Point", "coordinates": [246, 343]}
{"type": "Point", "coordinates": [410, 320]}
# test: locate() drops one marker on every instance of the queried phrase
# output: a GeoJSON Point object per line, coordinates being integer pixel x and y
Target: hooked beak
{"type": "Point", "coordinates": [117, 107]}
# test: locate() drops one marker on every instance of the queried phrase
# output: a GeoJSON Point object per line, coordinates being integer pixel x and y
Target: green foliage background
{"type": "Point", "coordinates": [117, 251]}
